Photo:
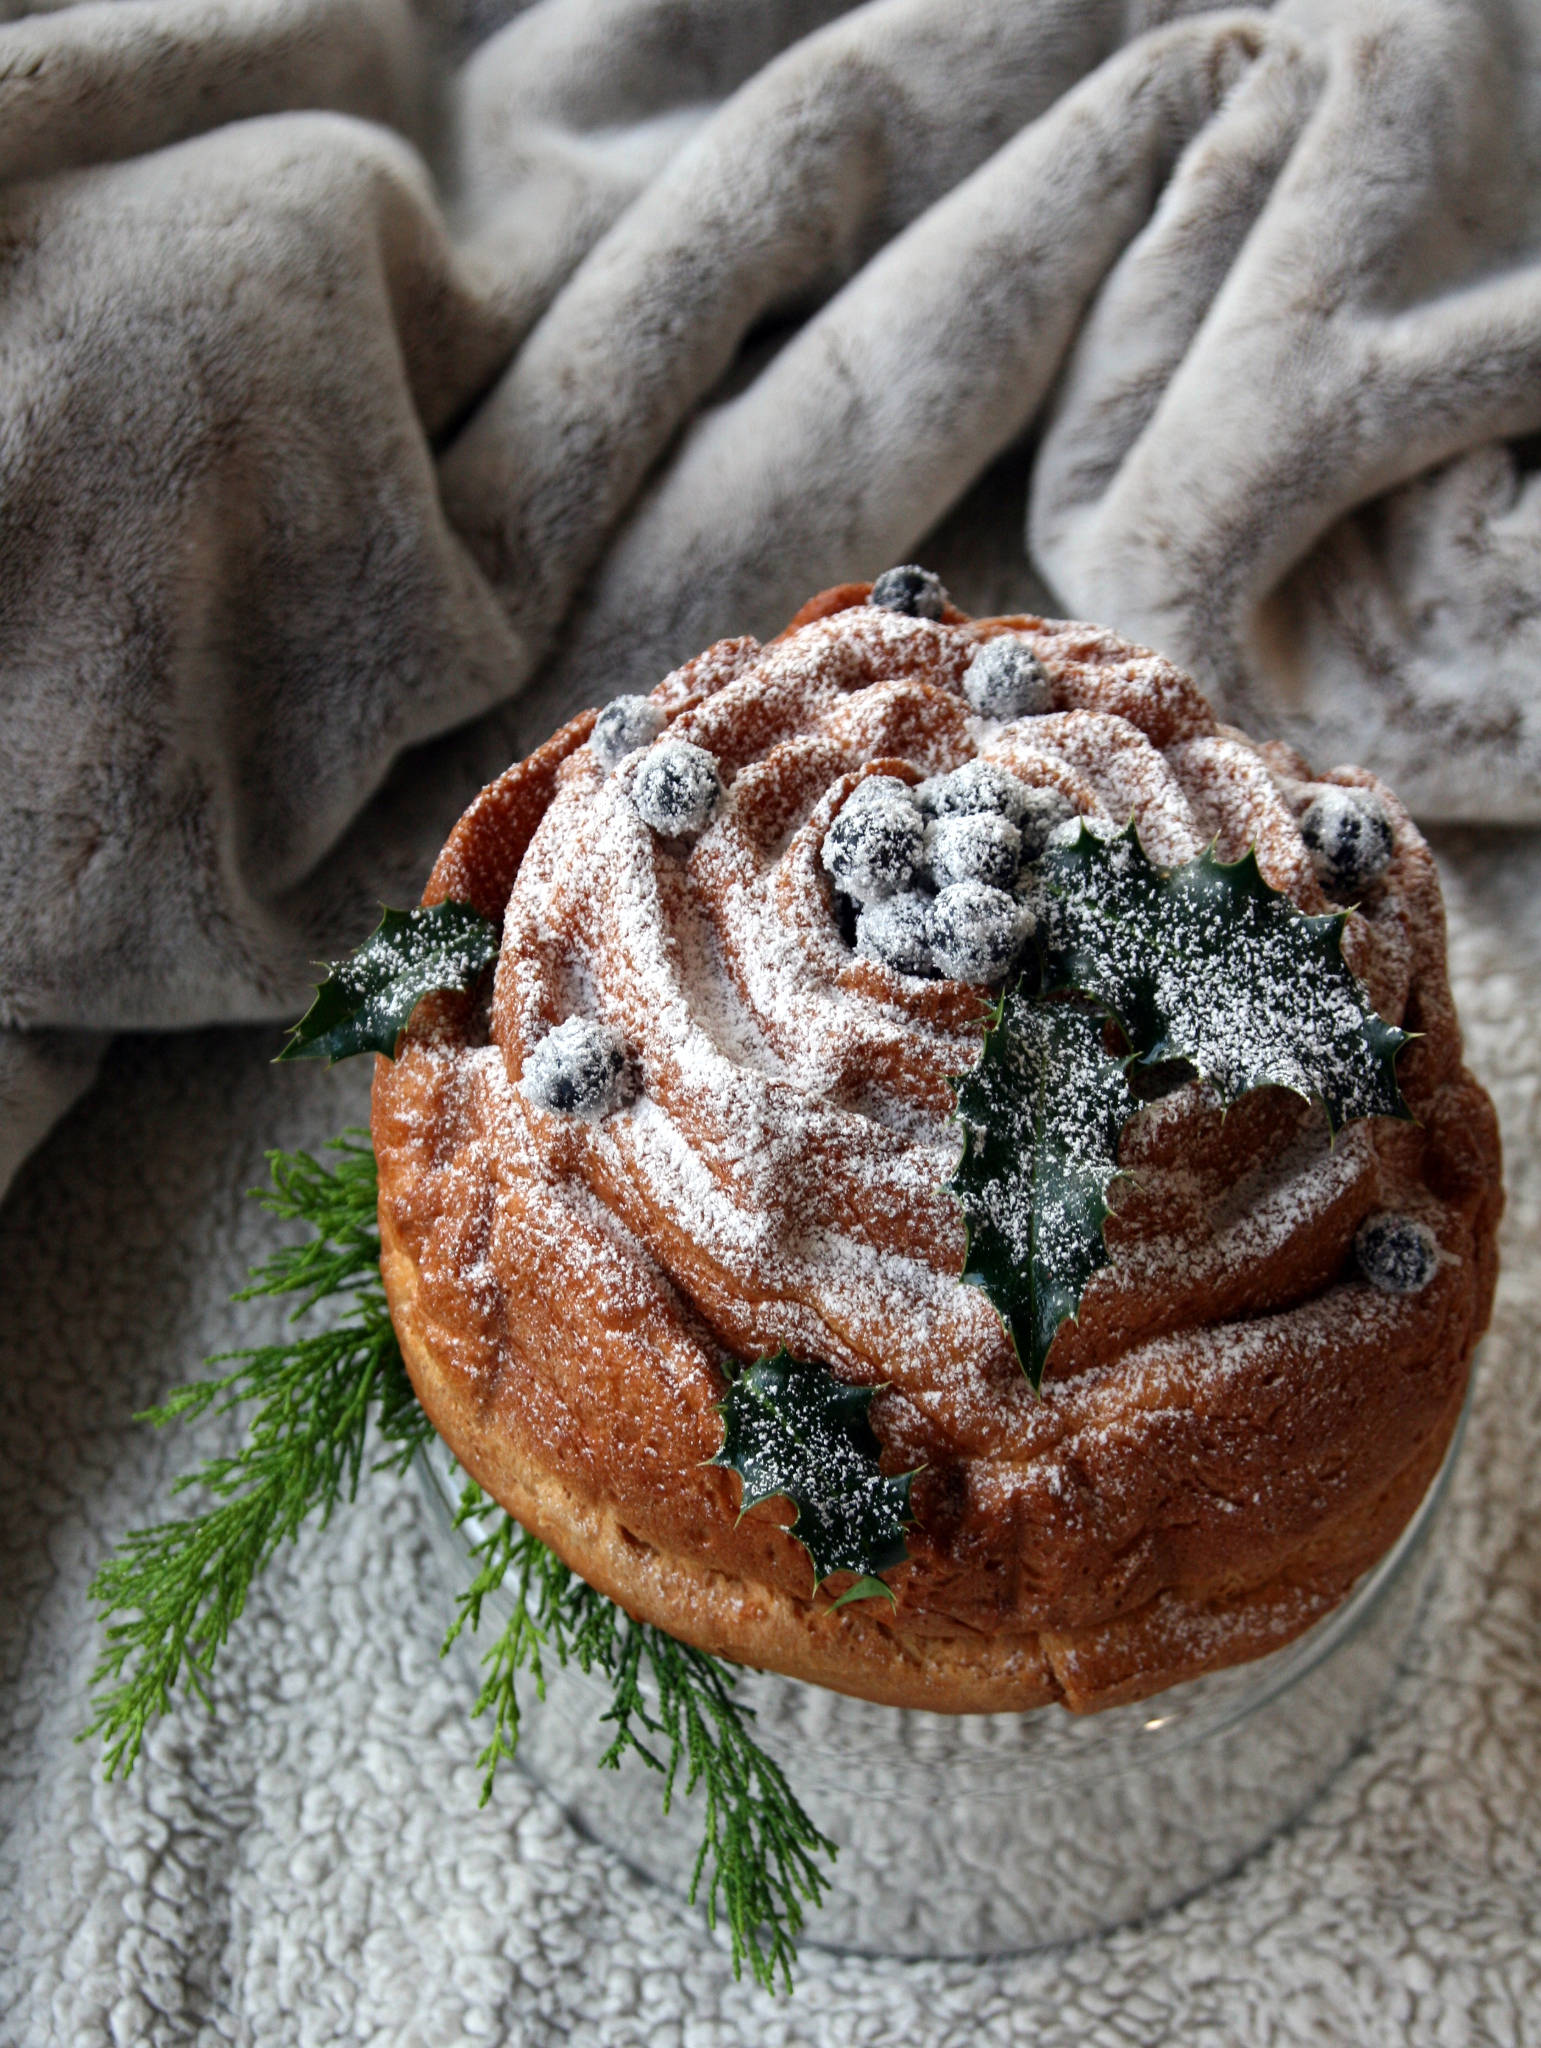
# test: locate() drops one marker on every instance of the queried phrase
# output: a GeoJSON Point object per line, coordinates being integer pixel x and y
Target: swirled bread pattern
{"type": "Point", "coordinates": [1233, 1431]}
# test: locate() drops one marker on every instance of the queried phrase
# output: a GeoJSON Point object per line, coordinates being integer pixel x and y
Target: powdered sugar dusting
{"type": "Point", "coordinates": [779, 1177]}
{"type": "Point", "coordinates": [794, 1128]}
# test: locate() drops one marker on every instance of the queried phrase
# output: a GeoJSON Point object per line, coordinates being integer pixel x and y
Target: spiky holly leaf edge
{"type": "Point", "coordinates": [1034, 1308]}
{"type": "Point", "coordinates": [1058, 967]}
{"type": "Point", "coordinates": [366, 1000]}
{"type": "Point", "coordinates": [850, 1406]}
{"type": "Point", "coordinates": [1385, 1040]}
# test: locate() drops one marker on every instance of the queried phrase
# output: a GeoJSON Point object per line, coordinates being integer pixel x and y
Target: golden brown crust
{"type": "Point", "coordinates": [1232, 1432]}
{"type": "Point", "coordinates": [732, 1617]}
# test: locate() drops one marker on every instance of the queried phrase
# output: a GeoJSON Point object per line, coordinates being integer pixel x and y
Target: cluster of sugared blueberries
{"type": "Point", "coordinates": [1396, 1254]}
{"type": "Point", "coordinates": [934, 868]}
{"type": "Point", "coordinates": [1348, 836]}
{"type": "Point", "coordinates": [1005, 680]}
{"type": "Point", "coordinates": [678, 786]}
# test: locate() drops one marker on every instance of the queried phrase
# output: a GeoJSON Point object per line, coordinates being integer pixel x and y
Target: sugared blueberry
{"type": "Point", "coordinates": [873, 849]}
{"type": "Point", "coordinates": [1349, 838]}
{"type": "Point", "coordinates": [625, 724]}
{"type": "Point", "coordinates": [1042, 815]}
{"type": "Point", "coordinates": [983, 847]}
{"type": "Point", "coordinates": [975, 931]}
{"type": "Point", "coordinates": [976, 786]}
{"type": "Point", "coordinates": [911, 590]}
{"type": "Point", "coordinates": [1006, 679]}
{"type": "Point", "coordinates": [677, 789]}
{"type": "Point", "coordinates": [897, 931]}
{"type": "Point", "coordinates": [581, 1069]}
{"type": "Point", "coordinates": [1396, 1253]}
{"type": "Point", "coordinates": [875, 789]}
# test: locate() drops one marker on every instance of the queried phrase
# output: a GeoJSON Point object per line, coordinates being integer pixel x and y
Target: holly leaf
{"type": "Point", "coordinates": [1042, 1112]}
{"type": "Point", "coordinates": [1209, 965]}
{"type": "Point", "coordinates": [793, 1429]}
{"type": "Point", "coordinates": [366, 1000]}
{"type": "Point", "coordinates": [1204, 970]}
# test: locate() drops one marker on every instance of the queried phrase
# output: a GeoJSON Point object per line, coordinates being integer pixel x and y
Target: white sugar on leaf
{"type": "Point", "coordinates": [1205, 966]}
{"type": "Point", "coordinates": [1209, 965]}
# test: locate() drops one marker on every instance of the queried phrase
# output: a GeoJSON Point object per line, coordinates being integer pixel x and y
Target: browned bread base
{"type": "Point", "coordinates": [848, 1650]}
{"type": "Point", "coordinates": [753, 1624]}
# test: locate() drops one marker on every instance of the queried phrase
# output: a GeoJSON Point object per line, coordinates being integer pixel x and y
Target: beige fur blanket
{"type": "Point", "coordinates": [364, 369]}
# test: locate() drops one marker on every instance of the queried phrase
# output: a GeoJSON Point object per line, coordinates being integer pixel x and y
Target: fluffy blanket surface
{"type": "Point", "coordinates": [367, 370]}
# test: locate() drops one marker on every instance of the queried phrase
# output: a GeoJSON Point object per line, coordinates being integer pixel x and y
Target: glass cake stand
{"type": "Point", "coordinates": [992, 1834]}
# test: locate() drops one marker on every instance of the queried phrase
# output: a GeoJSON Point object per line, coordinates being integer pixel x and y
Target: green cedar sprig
{"type": "Point", "coordinates": [172, 1592]}
{"type": "Point", "coordinates": [759, 1851]}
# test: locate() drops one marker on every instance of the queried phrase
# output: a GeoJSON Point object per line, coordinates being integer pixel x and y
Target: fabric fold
{"type": "Point", "coordinates": [378, 383]}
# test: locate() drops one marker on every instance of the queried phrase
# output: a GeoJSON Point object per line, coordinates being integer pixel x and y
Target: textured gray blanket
{"type": "Point", "coordinates": [309, 1866]}
{"type": "Point", "coordinates": [363, 366]}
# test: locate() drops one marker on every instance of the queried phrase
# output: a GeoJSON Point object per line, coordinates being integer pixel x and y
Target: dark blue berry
{"type": "Point", "coordinates": [873, 849]}
{"type": "Point", "coordinates": [984, 847]}
{"type": "Point", "coordinates": [911, 590]}
{"type": "Point", "coordinates": [1349, 837]}
{"type": "Point", "coordinates": [677, 789]}
{"type": "Point", "coordinates": [1044, 811]}
{"type": "Point", "coordinates": [874, 789]}
{"type": "Point", "coordinates": [623, 726]}
{"type": "Point", "coordinates": [896, 931]}
{"type": "Point", "coordinates": [1007, 680]}
{"type": "Point", "coordinates": [1395, 1253]}
{"type": "Point", "coordinates": [580, 1069]}
{"type": "Point", "coordinates": [976, 786]}
{"type": "Point", "coordinates": [976, 931]}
